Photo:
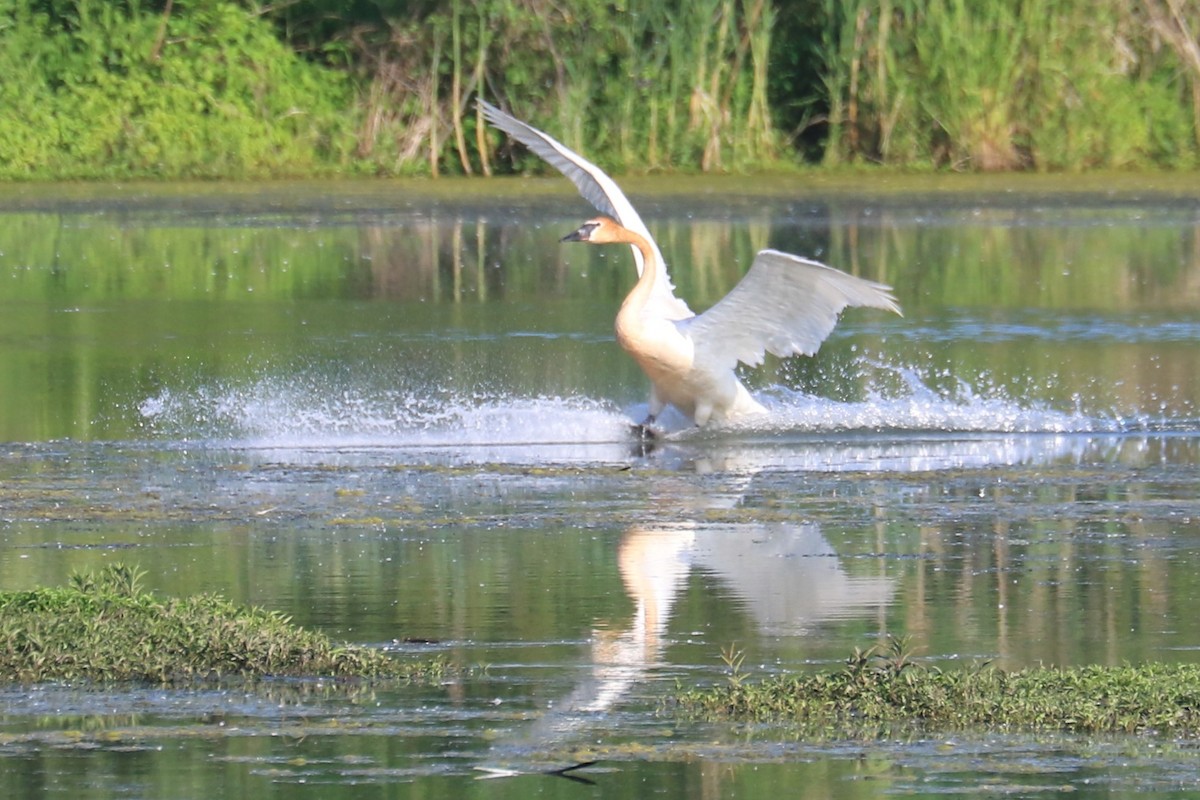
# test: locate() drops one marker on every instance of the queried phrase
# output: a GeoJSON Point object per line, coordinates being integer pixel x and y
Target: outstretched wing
{"type": "Point", "coordinates": [599, 190]}
{"type": "Point", "coordinates": [785, 305]}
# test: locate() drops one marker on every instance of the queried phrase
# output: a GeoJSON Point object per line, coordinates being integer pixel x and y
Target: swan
{"type": "Point", "coordinates": [784, 304]}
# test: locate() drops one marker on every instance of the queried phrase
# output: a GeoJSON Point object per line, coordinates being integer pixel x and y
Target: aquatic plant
{"type": "Point", "coordinates": [103, 627]}
{"type": "Point", "coordinates": [884, 686]}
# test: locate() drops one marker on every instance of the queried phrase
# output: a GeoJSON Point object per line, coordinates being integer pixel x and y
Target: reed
{"type": "Point", "coordinates": [998, 86]}
{"type": "Point", "coordinates": [231, 88]}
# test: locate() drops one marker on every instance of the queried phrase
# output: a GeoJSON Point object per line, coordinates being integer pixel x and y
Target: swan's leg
{"type": "Point", "coordinates": [657, 404]}
{"type": "Point", "coordinates": [645, 430]}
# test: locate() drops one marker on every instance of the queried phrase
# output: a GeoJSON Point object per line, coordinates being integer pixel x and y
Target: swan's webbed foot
{"type": "Point", "coordinates": [645, 431]}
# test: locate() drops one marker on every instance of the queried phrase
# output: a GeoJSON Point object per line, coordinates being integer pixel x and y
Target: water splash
{"type": "Point", "coordinates": [306, 412]}
{"type": "Point", "coordinates": [916, 402]}
{"type": "Point", "coordinates": [301, 413]}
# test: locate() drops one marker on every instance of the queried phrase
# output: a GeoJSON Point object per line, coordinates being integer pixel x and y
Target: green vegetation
{"type": "Point", "coordinates": [999, 86]}
{"type": "Point", "coordinates": [107, 90]}
{"type": "Point", "coordinates": [104, 628]}
{"type": "Point", "coordinates": [885, 687]}
{"type": "Point", "coordinates": [236, 88]}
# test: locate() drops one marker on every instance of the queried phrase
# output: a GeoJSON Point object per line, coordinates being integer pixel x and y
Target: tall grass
{"type": "Point", "coordinates": [235, 88]}
{"type": "Point", "coordinates": [1045, 84]}
{"type": "Point", "coordinates": [647, 84]}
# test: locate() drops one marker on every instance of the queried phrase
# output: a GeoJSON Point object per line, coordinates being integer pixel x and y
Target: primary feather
{"type": "Point", "coordinates": [599, 190]}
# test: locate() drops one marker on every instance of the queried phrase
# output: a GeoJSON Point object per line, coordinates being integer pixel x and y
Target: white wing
{"type": "Point", "coordinates": [785, 305]}
{"type": "Point", "coordinates": [599, 190]}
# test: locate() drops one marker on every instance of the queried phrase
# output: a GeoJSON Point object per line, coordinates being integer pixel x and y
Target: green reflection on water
{"type": "Point", "coordinates": [240, 358]}
{"type": "Point", "coordinates": [100, 310]}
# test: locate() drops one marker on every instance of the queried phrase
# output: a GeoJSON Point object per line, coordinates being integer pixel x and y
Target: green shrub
{"type": "Point", "coordinates": [108, 91]}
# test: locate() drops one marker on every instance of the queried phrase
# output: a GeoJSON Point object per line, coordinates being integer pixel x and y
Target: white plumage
{"type": "Point", "coordinates": [785, 305]}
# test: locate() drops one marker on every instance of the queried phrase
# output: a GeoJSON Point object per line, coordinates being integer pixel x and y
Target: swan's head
{"type": "Point", "coordinates": [600, 230]}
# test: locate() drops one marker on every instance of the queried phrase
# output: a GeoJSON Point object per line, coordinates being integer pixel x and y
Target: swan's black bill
{"type": "Point", "coordinates": [583, 234]}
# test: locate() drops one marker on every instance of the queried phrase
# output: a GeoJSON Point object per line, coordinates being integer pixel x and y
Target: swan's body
{"type": "Point", "coordinates": [682, 371]}
{"type": "Point", "coordinates": [785, 304]}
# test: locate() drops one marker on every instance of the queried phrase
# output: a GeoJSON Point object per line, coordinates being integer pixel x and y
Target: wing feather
{"type": "Point", "coordinates": [599, 190]}
{"type": "Point", "coordinates": [785, 305]}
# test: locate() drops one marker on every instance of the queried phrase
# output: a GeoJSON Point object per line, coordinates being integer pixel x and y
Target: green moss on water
{"type": "Point", "coordinates": [886, 689]}
{"type": "Point", "coordinates": [103, 628]}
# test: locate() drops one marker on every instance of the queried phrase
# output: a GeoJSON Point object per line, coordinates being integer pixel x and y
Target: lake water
{"type": "Point", "coordinates": [395, 411]}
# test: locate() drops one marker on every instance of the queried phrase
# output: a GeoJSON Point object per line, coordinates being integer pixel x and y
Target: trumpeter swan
{"type": "Point", "coordinates": [784, 304]}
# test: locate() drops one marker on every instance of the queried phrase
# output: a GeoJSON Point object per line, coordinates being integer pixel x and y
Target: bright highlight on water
{"type": "Point", "coordinates": [893, 424]}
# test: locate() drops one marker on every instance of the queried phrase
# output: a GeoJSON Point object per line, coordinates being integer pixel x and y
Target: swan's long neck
{"type": "Point", "coordinates": [640, 294]}
{"type": "Point", "coordinates": [633, 328]}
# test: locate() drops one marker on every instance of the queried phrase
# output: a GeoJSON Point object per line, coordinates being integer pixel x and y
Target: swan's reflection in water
{"type": "Point", "coordinates": [787, 576]}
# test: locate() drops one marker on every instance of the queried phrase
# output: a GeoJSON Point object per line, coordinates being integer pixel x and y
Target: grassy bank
{"type": "Point", "coordinates": [883, 689]}
{"type": "Point", "coordinates": [238, 89]}
{"type": "Point", "coordinates": [103, 628]}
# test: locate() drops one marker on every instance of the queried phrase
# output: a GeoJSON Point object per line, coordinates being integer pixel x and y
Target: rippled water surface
{"type": "Point", "coordinates": [395, 412]}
